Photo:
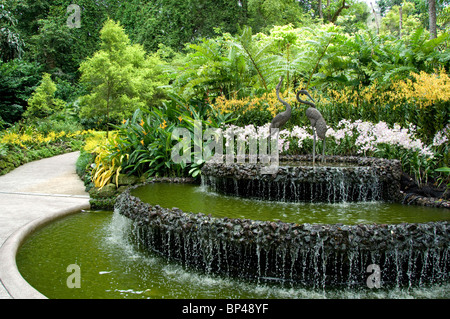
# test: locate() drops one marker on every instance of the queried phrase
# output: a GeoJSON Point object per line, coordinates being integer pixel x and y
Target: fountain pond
{"type": "Point", "coordinates": [113, 266]}
{"type": "Point", "coordinates": [305, 244]}
{"type": "Point", "coordinates": [303, 232]}
{"type": "Point", "coordinates": [311, 226]}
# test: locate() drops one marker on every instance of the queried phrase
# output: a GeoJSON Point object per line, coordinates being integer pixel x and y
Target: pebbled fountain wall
{"type": "Point", "coordinates": [340, 179]}
{"type": "Point", "coordinates": [302, 254]}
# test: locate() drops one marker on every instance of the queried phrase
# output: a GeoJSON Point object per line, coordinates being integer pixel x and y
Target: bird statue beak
{"type": "Point", "coordinates": [310, 96]}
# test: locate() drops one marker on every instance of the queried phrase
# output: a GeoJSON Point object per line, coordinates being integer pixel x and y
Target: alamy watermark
{"type": "Point", "coordinates": [74, 279]}
{"type": "Point", "coordinates": [209, 147]}
{"type": "Point", "coordinates": [74, 18]}
{"type": "Point", "coordinates": [374, 280]}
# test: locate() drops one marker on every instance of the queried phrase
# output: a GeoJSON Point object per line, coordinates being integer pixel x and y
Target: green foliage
{"type": "Point", "coordinates": [52, 45]}
{"type": "Point", "coordinates": [446, 171]}
{"type": "Point", "coordinates": [204, 71]}
{"type": "Point", "coordinates": [355, 18]}
{"type": "Point", "coordinates": [390, 24]}
{"type": "Point", "coordinates": [120, 77]}
{"type": "Point", "coordinates": [149, 139]}
{"type": "Point", "coordinates": [43, 27]}
{"type": "Point", "coordinates": [19, 80]}
{"type": "Point", "coordinates": [142, 145]}
{"type": "Point", "coordinates": [255, 54]}
{"type": "Point", "coordinates": [175, 23]}
{"type": "Point", "coordinates": [251, 64]}
{"type": "Point", "coordinates": [11, 42]}
{"type": "Point", "coordinates": [58, 122]}
{"type": "Point", "coordinates": [264, 14]}
{"type": "Point", "coordinates": [444, 16]}
{"type": "Point", "coordinates": [43, 102]}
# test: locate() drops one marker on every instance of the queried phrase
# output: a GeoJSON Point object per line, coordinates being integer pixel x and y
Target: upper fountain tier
{"type": "Point", "coordinates": [340, 179]}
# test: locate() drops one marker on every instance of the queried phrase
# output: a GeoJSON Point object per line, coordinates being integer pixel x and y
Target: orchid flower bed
{"type": "Point", "coordinates": [359, 138]}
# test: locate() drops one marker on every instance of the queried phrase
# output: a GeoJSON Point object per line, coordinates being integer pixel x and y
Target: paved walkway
{"type": "Point", "coordinates": [30, 196]}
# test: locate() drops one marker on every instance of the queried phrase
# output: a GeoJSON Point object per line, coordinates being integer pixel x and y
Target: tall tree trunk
{"type": "Point", "coordinates": [338, 11]}
{"type": "Point", "coordinates": [432, 18]}
{"type": "Point", "coordinates": [400, 12]}
{"type": "Point", "coordinates": [320, 10]}
{"type": "Point", "coordinates": [288, 65]}
{"type": "Point", "coordinates": [107, 109]}
{"type": "Point", "coordinates": [375, 18]}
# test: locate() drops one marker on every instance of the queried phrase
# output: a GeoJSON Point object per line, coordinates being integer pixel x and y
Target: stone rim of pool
{"type": "Point", "coordinates": [21, 235]}
{"type": "Point", "coordinates": [24, 290]}
{"type": "Point", "coordinates": [160, 225]}
{"type": "Point", "coordinates": [11, 278]}
{"type": "Point", "coordinates": [347, 178]}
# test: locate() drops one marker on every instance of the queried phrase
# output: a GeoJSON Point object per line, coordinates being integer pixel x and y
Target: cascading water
{"type": "Point", "coordinates": [112, 266]}
{"type": "Point", "coordinates": [313, 255]}
{"type": "Point", "coordinates": [342, 180]}
{"type": "Point", "coordinates": [337, 185]}
{"type": "Point", "coordinates": [297, 254]}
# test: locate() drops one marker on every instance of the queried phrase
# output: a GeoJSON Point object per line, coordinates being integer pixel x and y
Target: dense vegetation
{"type": "Point", "coordinates": [142, 69]}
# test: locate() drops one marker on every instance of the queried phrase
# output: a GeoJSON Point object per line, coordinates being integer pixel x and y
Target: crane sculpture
{"type": "Point", "coordinates": [280, 119]}
{"type": "Point", "coordinates": [318, 123]}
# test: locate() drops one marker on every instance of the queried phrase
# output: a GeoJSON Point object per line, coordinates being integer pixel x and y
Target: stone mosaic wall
{"type": "Point", "coordinates": [303, 254]}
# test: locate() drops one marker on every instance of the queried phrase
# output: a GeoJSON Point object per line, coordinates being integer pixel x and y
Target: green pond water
{"type": "Point", "coordinates": [112, 267]}
{"type": "Point", "coordinates": [197, 199]}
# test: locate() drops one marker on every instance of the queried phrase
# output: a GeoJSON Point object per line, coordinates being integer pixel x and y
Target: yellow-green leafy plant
{"type": "Point", "coordinates": [107, 165]}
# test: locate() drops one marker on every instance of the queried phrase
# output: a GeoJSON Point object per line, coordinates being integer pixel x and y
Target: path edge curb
{"type": "Point", "coordinates": [16, 286]}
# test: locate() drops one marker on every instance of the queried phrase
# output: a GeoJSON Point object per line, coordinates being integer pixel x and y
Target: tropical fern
{"type": "Point", "coordinates": [256, 55]}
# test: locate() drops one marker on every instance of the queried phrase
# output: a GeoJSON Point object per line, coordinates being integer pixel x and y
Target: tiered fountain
{"type": "Point", "coordinates": [315, 255]}
{"type": "Point", "coordinates": [309, 254]}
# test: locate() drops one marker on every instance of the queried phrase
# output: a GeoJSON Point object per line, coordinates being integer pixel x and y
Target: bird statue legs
{"type": "Point", "coordinates": [323, 151]}
{"type": "Point", "coordinates": [314, 146]}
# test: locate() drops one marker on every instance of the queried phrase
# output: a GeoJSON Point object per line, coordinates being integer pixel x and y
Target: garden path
{"type": "Point", "coordinates": [30, 196]}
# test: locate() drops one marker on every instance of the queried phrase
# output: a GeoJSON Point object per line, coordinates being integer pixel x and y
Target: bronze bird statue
{"type": "Point", "coordinates": [280, 119]}
{"type": "Point", "coordinates": [318, 124]}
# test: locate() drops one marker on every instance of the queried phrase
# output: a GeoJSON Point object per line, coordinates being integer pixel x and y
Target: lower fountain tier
{"type": "Point", "coordinates": [341, 179]}
{"type": "Point", "coordinates": [305, 254]}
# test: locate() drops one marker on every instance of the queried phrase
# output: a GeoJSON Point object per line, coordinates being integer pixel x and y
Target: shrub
{"type": "Point", "coordinates": [142, 145]}
{"type": "Point", "coordinates": [43, 102]}
{"type": "Point", "coordinates": [429, 97]}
